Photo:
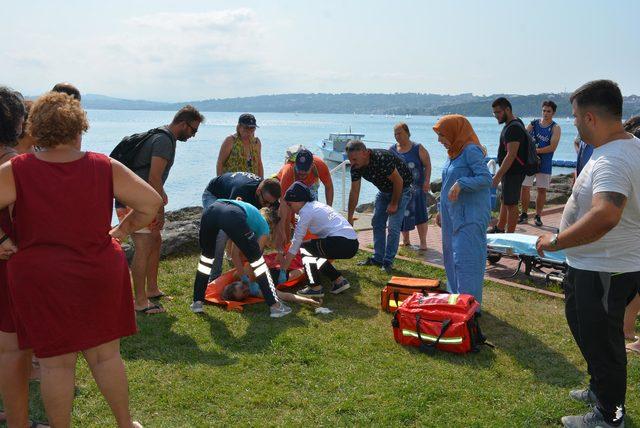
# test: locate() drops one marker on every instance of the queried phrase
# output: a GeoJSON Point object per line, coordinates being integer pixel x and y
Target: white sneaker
{"type": "Point", "coordinates": [280, 312]}
{"type": "Point", "coordinates": [197, 307]}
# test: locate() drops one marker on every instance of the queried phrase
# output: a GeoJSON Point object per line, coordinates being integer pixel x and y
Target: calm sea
{"type": "Point", "coordinates": [196, 159]}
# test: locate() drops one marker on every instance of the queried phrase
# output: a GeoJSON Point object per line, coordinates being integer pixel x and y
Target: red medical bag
{"type": "Point", "coordinates": [439, 321]}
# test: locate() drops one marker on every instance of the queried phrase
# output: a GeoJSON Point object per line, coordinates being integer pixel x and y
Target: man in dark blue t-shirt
{"type": "Point", "coordinates": [512, 150]}
{"type": "Point", "coordinates": [393, 178]}
{"type": "Point", "coordinates": [245, 186]}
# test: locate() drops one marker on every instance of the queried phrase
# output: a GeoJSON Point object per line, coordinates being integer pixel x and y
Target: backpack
{"type": "Point", "coordinates": [448, 322]}
{"type": "Point", "coordinates": [531, 164]}
{"type": "Point", "coordinates": [129, 147]}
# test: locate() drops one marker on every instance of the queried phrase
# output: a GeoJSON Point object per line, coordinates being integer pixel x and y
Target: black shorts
{"type": "Point", "coordinates": [511, 186]}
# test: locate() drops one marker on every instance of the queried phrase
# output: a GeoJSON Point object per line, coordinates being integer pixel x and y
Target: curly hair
{"type": "Point", "coordinates": [56, 119]}
{"type": "Point", "coordinates": [633, 125]}
{"type": "Point", "coordinates": [11, 113]}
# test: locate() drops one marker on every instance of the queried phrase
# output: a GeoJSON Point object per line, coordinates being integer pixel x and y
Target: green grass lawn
{"type": "Point", "coordinates": [246, 369]}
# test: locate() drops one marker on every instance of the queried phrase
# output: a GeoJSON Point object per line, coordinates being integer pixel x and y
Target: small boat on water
{"type": "Point", "coordinates": [333, 147]}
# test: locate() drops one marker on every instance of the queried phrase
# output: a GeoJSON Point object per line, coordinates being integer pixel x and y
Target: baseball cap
{"type": "Point", "coordinates": [247, 120]}
{"type": "Point", "coordinates": [304, 160]}
{"type": "Point", "coordinates": [291, 152]}
{"type": "Point", "coordinates": [298, 192]}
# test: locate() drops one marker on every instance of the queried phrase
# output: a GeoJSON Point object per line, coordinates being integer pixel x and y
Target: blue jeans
{"type": "Point", "coordinates": [385, 244]}
{"type": "Point", "coordinates": [221, 241]}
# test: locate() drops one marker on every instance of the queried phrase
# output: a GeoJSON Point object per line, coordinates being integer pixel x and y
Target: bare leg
{"type": "Point", "coordinates": [154, 263]}
{"type": "Point", "coordinates": [502, 220]}
{"type": "Point", "coordinates": [541, 199]}
{"type": "Point", "coordinates": [15, 366]}
{"type": "Point", "coordinates": [58, 386]}
{"type": "Point", "coordinates": [512, 218]}
{"type": "Point", "coordinates": [630, 315]}
{"type": "Point", "coordinates": [294, 298]}
{"type": "Point", "coordinates": [140, 268]}
{"type": "Point", "coordinates": [108, 370]}
{"type": "Point", "coordinates": [525, 198]}
{"type": "Point", "coordinates": [406, 240]}
{"type": "Point", "coordinates": [422, 233]}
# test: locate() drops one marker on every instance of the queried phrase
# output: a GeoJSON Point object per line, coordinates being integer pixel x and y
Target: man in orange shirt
{"type": "Point", "coordinates": [310, 170]}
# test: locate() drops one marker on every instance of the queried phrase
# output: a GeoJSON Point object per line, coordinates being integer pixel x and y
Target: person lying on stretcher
{"type": "Point", "coordinates": [247, 287]}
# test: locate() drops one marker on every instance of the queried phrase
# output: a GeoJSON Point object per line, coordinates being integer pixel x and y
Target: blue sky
{"type": "Point", "coordinates": [169, 50]}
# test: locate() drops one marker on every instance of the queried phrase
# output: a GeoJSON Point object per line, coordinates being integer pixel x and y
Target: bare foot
{"type": "Point", "coordinates": [157, 294]}
{"type": "Point", "coordinates": [634, 347]}
{"type": "Point", "coordinates": [150, 309]}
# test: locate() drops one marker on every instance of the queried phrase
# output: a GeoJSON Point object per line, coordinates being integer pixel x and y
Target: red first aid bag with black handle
{"type": "Point", "coordinates": [448, 322]}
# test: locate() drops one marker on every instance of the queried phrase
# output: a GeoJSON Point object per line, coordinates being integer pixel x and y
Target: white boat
{"type": "Point", "coordinates": [333, 147]}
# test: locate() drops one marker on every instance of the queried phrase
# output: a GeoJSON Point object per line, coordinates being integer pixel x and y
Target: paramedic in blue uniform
{"type": "Point", "coordinates": [464, 209]}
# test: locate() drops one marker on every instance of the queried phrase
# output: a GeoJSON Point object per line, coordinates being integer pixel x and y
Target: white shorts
{"type": "Point", "coordinates": [542, 180]}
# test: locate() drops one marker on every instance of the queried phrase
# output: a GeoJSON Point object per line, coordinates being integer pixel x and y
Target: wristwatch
{"type": "Point", "coordinates": [554, 240]}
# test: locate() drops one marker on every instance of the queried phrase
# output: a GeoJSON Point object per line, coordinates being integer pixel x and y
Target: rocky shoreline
{"type": "Point", "coordinates": [180, 234]}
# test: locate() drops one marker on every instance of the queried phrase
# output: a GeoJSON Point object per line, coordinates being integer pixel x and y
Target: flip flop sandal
{"type": "Point", "coordinates": [148, 309]}
{"type": "Point", "coordinates": [160, 296]}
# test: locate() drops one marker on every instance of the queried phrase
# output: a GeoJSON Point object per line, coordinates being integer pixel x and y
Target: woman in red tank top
{"type": "Point", "coordinates": [69, 283]}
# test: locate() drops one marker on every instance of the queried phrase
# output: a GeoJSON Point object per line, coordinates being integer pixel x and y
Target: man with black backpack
{"type": "Point", "coordinates": [514, 161]}
{"type": "Point", "coordinates": [150, 155]}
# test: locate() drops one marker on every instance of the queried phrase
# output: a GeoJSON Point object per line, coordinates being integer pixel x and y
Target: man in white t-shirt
{"type": "Point", "coordinates": [600, 233]}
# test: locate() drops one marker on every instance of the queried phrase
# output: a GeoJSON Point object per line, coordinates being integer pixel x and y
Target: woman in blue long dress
{"type": "Point", "coordinates": [464, 208]}
{"type": "Point", "coordinates": [417, 159]}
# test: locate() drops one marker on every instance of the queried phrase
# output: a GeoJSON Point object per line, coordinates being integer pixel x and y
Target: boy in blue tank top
{"type": "Point", "coordinates": [546, 135]}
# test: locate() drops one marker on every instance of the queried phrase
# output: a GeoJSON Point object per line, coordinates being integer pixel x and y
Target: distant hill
{"type": "Point", "coordinates": [398, 104]}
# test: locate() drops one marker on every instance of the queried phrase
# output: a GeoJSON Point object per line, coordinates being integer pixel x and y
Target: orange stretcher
{"type": "Point", "coordinates": [215, 288]}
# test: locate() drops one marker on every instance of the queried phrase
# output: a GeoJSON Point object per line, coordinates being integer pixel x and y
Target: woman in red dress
{"type": "Point", "coordinates": [14, 362]}
{"type": "Point", "coordinates": [69, 283]}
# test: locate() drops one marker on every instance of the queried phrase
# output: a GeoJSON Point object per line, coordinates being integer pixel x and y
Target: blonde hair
{"type": "Point", "coordinates": [271, 216]}
{"type": "Point", "coordinates": [55, 119]}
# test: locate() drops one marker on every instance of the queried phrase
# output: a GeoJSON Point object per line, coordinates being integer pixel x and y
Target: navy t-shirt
{"type": "Point", "coordinates": [510, 133]}
{"type": "Point", "coordinates": [232, 185]}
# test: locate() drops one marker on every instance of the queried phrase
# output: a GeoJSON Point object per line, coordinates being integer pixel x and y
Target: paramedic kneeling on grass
{"type": "Point", "coordinates": [336, 240]}
{"type": "Point", "coordinates": [245, 226]}
{"type": "Point", "coordinates": [600, 233]}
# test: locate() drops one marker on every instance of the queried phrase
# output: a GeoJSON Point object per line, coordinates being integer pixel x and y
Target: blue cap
{"type": "Point", "coordinates": [298, 192]}
{"type": "Point", "coordinates": [304, 160]}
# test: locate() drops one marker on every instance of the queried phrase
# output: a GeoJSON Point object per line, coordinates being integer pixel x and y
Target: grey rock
{"type": "Point", "coordinates": [365, 208]}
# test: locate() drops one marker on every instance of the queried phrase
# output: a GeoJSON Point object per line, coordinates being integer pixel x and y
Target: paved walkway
{"type": "Point", "coordinates": [498, 272]}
